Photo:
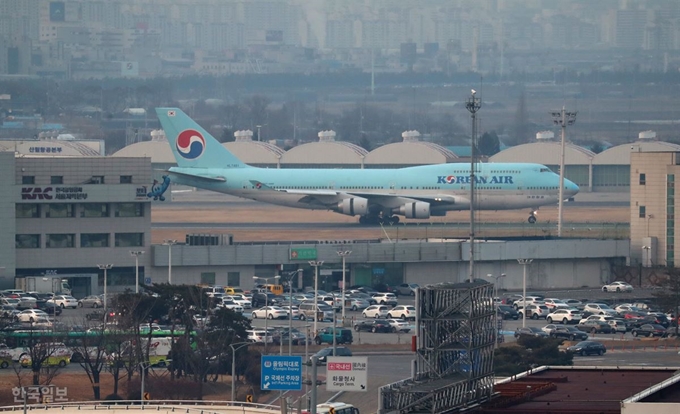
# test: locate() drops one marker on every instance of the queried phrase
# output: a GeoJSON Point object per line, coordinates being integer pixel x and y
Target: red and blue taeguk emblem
{"type": "Point", "coordinates": [190, 144]}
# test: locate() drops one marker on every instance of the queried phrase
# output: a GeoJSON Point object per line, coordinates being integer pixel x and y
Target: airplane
{"type": "Point", "coordinates": [377, 196]}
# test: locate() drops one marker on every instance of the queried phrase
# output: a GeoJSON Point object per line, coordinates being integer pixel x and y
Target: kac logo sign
{"type": "Point", "coordinates": [36, 193]}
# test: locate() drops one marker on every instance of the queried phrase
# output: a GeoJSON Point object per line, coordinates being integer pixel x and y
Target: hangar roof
{"type": "Point", "coordinates": [410, 153]}
{"type": "Point", "coordinates": [51, 147]}
{"type": "Point", "coordinates": [620, 154]}
{"type": "Point", "coordinates": [158, 151]}
{"type": "Point", "coordinates": [547, 153]}
{"type": "Point", "coordinates": [325, 152]}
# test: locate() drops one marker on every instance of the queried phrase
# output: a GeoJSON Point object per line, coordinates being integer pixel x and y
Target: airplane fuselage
{"type": "Point", "coordinates": [498, 186]}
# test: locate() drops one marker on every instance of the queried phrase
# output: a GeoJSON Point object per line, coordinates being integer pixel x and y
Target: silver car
{"type": "Point", "coordinates": [92, 301]}
{"type": "Point", "coordinates": [358, 303]}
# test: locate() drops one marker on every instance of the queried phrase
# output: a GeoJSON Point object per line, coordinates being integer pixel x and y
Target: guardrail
{"type": "Point", "coordinates": [185, 406]}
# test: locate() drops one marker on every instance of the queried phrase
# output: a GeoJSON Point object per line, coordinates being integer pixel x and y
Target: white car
{"type": "Point", "coordinates": [258, 335]}
{"type": "Point", "coordinates": [241, 300]}
{"type": "Point", "coordinates": [376, 311]}
{"type": "Point", "coordinates": [599, 309]}
{"type": "Point", "coordinates": [403, 312]}
{"type": "Point", "coordinates": [271, 312]}
{"type": "Point", "coordinates": [64, 301]}
{"type": "Point", "coordinates": [626, 307]}
{"type": "Point", "coordinates": [617, 287]}
{"type": "Point", "coordinates": [227, 302]}
{"type": "Point", "coordinates": [385, 298]}
{"type": "Point", "coordinates": [399, 325]}
{"type": "Point", "coordinates": [618, 326]}
{"type": "Point", "coordinates": [530, 300]}
{"type": "Point", "coordinates": [564, 316]}
{"type": "Point", "coordinates": [358, 303]}
{"type": "Point", "coordinates": [553, 303]}
{"type": "Point", "coordinates": [603, 318]}
{"type": "Point", "coordinates": [31, 315]}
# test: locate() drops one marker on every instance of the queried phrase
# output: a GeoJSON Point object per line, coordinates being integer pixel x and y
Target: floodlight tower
{"type": "Point", "coordinates": [562, 118]}
{"type": "Point", "coordinates": [473, 104]}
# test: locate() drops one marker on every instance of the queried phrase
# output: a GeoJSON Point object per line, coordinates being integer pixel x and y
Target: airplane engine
{"type": "Point", "coordinates": [353, 206]}
{"type": "Point", "coordinates": [418, 210]}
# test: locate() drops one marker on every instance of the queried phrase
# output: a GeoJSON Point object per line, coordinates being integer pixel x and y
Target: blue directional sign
{"type": "Point", "coordinates": [281, 373]}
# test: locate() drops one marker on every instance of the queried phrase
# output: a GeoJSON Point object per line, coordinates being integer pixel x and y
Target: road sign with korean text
{"type": "Point", "coordinates": [347, 374]}
{"type": "Point", "coordinates": [281, 373]}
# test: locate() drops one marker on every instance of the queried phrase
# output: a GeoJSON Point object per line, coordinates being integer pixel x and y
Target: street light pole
{"type": "Point", "coordinates": [562, 118]}
{"type": "Point", "coordinates": [266, 308]}
{"type": "Point", "coordinates": [525, 263]}
{"type": "Point", "coordinates": [316, 264]}
{"type": "Point", "coordinates": [233, 366]}
{"type": "Point", "coordinates": [473, 105]}
{"type": "Point", "coordinates": [136, 253]}
{"type": "Point", "coordinates": [169, 243]}
{"type": "Point", "coordinates": [290, 311]}
{"type": "Point", "coordinates": [105, 267]}
{"type": "Point", "coordinates": [343, 254]}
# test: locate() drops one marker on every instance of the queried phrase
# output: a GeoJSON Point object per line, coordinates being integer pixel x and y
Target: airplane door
{"type": "Point", "coordinates": [393, 188]}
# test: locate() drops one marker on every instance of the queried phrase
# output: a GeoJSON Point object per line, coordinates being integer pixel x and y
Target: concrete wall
{"type": "Point", "coordinates": [646, 408]}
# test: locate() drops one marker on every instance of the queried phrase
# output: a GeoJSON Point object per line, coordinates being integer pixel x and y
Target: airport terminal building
{"type": "Point", "coordinates": [62, 216]}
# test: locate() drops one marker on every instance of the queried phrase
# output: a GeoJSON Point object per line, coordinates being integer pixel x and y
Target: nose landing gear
{"type": "Point", "coordinates": [532, 217]}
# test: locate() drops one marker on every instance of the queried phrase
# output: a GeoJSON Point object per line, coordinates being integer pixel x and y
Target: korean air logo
{"type": "Point", "coordinates": [451, 179]}
{"type": "Point", "coordinates": [190, 144]}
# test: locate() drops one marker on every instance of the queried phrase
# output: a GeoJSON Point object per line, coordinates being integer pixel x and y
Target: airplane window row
{"type": "Point", "coordinates": [535, 196]}
{"type": "Point", "coordinates": [504, 172]}
{"type": "Point", "coordinates": [362, 188]}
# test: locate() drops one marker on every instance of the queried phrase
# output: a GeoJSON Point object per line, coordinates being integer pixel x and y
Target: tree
{"type": "Point", "coordinates": [489, 144]}
{"type": "Point", "coordinates": [92, 349]}
{"type": "Point", "coordinates": [41, 357]}
{"type": "Point", "coordinates": [530, 352]}
{"type": "Point", "coordinates": [668, 297]}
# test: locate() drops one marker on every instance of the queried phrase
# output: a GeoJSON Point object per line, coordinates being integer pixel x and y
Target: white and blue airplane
{"type": "Point", "coordinates": [375, 195]}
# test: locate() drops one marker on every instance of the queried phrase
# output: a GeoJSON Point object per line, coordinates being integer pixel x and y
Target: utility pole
{"type": "Point", "coordinates": [473, 105]}
{"type": "Point", "coordinates": [562, 118]}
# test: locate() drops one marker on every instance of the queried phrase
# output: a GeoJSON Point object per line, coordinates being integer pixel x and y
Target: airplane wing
{"type": "Point", "coordinates": [209, 178]}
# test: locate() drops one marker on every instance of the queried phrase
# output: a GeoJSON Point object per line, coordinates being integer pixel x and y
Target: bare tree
{"type": "Point", "coordinates": [92, 349]}
{"type": "Point", "coordinates": [44, 357]}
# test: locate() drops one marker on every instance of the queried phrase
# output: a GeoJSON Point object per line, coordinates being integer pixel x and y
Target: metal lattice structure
{"type": "Point", "coordinates": [456, 327]}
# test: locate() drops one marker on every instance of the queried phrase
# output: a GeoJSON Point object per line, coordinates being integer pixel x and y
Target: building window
{"type": "Point", "coordinates": [94, 240]}
{"type": "Point", "coordinates": [27, 241]}
{"type": "Point", "coordinates": [234, 278]}
{"type": "Point", "coordinates": [28, 179]}
{"type": "Point", "coordinates": [129, 239]}
{"type": "Point", "coordinates": [129, 210]}
{"type": "Point", "coordinates": [57, 179]}
{"type": "Point", "coordinates": [60, 210]}
{"type": "Point", "coordinates": [27, 210]}
{"type": "Point", "coordinates": [642, 211]}
{"type": "Point", "coordinates": [94, 210]}
{"type": "Point", "coordinates": [208, 278]}
{"type": "Point", "coordinates": [96, 179]}
{"type": "Point", "coordinates": [126, 179]}
{"type": "Point", "coordinates": [60, 241]}
{"type": "Point", "coordinates": [643, 178]}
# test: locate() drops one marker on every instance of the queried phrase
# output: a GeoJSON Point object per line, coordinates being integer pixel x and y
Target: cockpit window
{"type": "Point", "coordinates": [545, 169]}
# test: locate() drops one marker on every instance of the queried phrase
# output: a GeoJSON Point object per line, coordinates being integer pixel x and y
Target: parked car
{"type": "Point", "coordinates": [241, 300]}
{"type": "Point", "coordinates": [340, 351]}
{"type": "Point", "coordinates": [263, 299]}
{"type": "Point", "coordinates": [31, 315]}
{"type": "Point", "coordinates": [48, 307]}
{"type": "Point", "coordinates": [535, 311]}
{"type": "Point", "coordinates": [564, 316]}
{"type": "Point", "coordinates": [399, 325]}
{"type": "Point", "coordinates": [573, 303]}
{"type": "Point", "coordinates": [569, 332]}
{"type": "Point", "coordinates": [270, 312]}
{"type": "Point", "coordinates": [373, 325]}
{"type": "Point", "coordinates": [507, 312]}
{"type": "Point", "coordinates": [595, 326]}
{"type": "Point", "coordinates": [553, 303]}
{"type": "Point", "coordinates": [657, 318]}
{"type": "Point", "coordinates": [9, 312]}
{"type": "Point", "coordinates": [549, 328]}
{"type": "Point", "coordinates": [358, 303]}
{"type": "Point", "coordinates": [530, 331]}
{"type": "Point", "coordinates": [385, 298]}
{"type": "Point", "coordinates": [342, 336]}
{"type": "Point", "coordinates": [281, 335]}
{"type": "Point", "coordinates": [599, 309]}
{"type": "Point", "coordinates": [618, 325]}
{"type": "Point", "coordinates": [617, 286]}
{"type": "Point", "coordinates": [626, 307]}
{"type": "Point", "coordinates": [64, 301]}
{"type": "Point", "coordinates": [403, 312]}
{"type": "Point", "coordinates": [365, 296]}
{"type": "Point", "coordinates": [588, 348]}
{"type": "Point", "coordinates": [92, 301]}
{"type": "Point", "coordinates": [258, 335]}
{"type": "Point", "coordinates": [649, 330]}
{"type": "Point", "coordinates": [530, 300]}
{"type": "Point", "coordinates": [406, 289]}
{"type": "Point", "coordinates": [376, 311]}
{"type": "Point", "coordinates": [26, 301]}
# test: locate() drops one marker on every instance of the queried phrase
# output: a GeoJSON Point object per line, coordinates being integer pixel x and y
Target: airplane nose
{"type": "Point", "coordinates": [571, 188]}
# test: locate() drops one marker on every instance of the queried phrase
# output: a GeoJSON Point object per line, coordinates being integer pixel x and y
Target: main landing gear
{"type": "Point", "coordinates": [378, 219]}
{"type": "Point", "coordinates": [532, 217]}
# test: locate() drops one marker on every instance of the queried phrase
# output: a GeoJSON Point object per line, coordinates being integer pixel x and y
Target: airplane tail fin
{"type": "Point", "coordinates": [192, 145]}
